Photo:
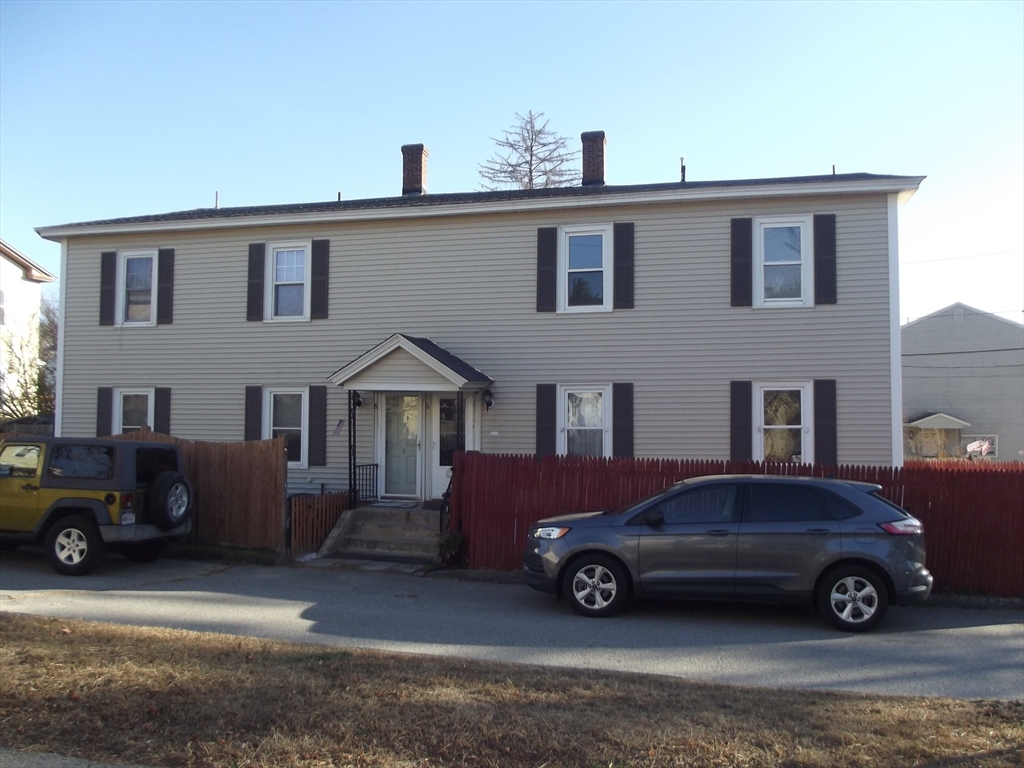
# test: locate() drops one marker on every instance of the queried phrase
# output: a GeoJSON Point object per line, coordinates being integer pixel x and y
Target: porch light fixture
{"type": "Point", "coordinates": [357, 400]}
{"type": "Point", "coordinates": [488, 398]}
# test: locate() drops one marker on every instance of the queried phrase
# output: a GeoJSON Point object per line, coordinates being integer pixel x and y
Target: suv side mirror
{"type": "Point", "coordinates": [654, 518]}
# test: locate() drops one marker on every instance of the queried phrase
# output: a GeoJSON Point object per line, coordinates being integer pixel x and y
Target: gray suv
{"type": "Point", "coordinates": [834, 543]}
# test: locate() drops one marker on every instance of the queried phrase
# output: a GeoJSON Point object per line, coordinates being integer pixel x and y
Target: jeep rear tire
{"type": "Point", "coordinates": [170, 500]}
{"type": "Point", "coordinates": [74, 546]}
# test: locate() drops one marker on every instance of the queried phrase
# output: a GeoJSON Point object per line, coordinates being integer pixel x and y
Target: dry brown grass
{"type": "Point", "coordinates": [174, 698]}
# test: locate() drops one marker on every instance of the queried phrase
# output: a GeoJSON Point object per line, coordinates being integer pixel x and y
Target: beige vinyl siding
{"type": "Point", "coordinates": [469, 284]}
{"type": "Point", "coordinates": [398, 368]}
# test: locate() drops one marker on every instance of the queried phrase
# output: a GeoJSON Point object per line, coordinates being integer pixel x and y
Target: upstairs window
{"type": "Point", "coordinates": [783, 261]}
{"type": "Point", "coordinates": [585, 269]}
{"type": "Point", "coordinates": [135, 297]}
{"type": "Point", "coordinates": [287, 281]}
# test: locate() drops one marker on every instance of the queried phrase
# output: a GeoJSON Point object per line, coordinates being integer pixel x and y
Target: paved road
{"type": "Point", "coordinates": [928, 651]}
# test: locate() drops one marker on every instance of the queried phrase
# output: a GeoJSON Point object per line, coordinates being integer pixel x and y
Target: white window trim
{"type": "Point", "coordinates": [119, 297]}
{"type": "Point", "coordinates": [268, 280]}
{"type": "Point", "coordinates": [564, 233]}
{"type": "Point", "coordinates": [606, 414]}
{"type": "Point", "coordinates": [806, 417]}
{"type": "Point", "coordinates": [268, 423]}
{"type": "Point", "coordinates": [118, 414]}
{"type": "Point", "coordinates": [806, 224]}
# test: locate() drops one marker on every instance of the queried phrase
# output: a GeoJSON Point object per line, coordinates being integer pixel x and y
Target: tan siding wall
{"type": "Point", "coordinates": [399, 368]}
{"type": "Point", "coordinates": [469, 284]}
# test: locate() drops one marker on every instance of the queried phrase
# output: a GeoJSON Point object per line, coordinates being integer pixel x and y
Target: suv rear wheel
{"type": "Point", "coordinates": [170, 500]}
{"type": "Point", "coordinates": [74, 546]}
{"type": "Point", "coordinates": [853, 598]}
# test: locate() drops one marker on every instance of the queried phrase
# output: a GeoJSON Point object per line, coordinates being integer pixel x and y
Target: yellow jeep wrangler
{"type": "Point", "coordinates": [82, 496]}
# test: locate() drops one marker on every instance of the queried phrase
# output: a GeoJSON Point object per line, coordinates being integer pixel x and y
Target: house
{"type": "Point", "coordinates": [21, 282]}
{"type": "Point", "coordinates": [963, 385]}
{"type": "Point", "coordinates": [699, 319]}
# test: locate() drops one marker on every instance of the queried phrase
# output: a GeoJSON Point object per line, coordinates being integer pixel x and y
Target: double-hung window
{"type": "Point", "coordinates": [287, 281]}
{"type": "Point", "coordinates": [783, 422]}
{"type": "Point", "coordinates": [286, 414]}
{"type": "Point", "coordinates": [585, 420]}
{"type": "Point", "coordinates": [783, 252]}
{"type": "Point", "coordinates": [585, 276]}
{"type": "Point", "coordinates": [133, 410]}
{"type": "Point", "coordinates": [135, 300]}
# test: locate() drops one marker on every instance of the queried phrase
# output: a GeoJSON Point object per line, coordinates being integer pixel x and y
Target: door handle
{"type": "Point", "coordinates": [29, 487]}
{"type": "Point", "coordinates": [718, 532]}
{"type": "Point", "coordinates": [819, 531]}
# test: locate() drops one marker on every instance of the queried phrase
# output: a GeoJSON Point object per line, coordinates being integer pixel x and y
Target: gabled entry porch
{"type": "Point", "coordinates": [426, 403]}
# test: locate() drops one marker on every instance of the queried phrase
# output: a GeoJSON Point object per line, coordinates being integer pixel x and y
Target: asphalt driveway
{"type": "Point", "coordinates": [928, 651]}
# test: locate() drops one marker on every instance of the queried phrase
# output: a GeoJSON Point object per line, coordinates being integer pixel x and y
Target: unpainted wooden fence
{"type": "Point", "coordinates": [313, 517]}
{"type": "Point", "coordinates": [973, 512]}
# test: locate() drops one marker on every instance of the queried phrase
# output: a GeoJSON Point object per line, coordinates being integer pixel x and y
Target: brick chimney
{"type": "Point", "coordinates": [414, 169]}
{"type": "Point", "coordinates": [593, 158]}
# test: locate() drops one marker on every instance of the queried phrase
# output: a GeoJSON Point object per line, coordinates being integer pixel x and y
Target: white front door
{"type": "Point", "coordinates": [402, 457]}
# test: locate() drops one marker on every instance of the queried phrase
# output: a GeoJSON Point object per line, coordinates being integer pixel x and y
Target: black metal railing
{"type": "Point", "coordinates": [366, 483]}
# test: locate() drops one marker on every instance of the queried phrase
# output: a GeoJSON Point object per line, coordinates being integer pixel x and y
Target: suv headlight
{"type": "Point", "coordinates": [548, 532]}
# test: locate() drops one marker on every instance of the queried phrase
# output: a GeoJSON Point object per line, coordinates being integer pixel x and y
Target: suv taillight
{"type": "Point", "coordinates": [909, 527]}
{"type": "Point", "coordinates": [127, 500]}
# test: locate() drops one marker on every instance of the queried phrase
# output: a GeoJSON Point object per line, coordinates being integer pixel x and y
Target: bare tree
{"type": "Point", "coordinates": [27, 377]}
{"type": "Point", "coordinates": [530, 156]}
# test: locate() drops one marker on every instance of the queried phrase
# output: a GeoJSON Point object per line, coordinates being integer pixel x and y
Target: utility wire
{"type": "Point", "coordinates": [958, 258]}
{"type": "Point", "coordinates": [962, 352]}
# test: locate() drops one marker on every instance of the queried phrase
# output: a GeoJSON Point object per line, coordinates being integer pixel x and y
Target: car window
{"type": "Point", "coordinates": [783, 502]}
{"type": "Point", "coordinates": [92, 462]}
{"type": "Point", "coordinates": [838, 507]}
{"type": "Point", "coordinates": [712, 504]}
{"type": "Point", "coordinates": [19, 461]}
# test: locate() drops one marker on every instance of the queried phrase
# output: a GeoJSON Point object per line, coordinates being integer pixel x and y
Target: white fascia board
{"type": "Point", "coordinates": [903, 187]}
{"type": "Point", "coordinates": [895, 334]}
{"type": "Point", "coordinates": [58, 382]}
{"type": "Point", "coordinates": [396, 341]}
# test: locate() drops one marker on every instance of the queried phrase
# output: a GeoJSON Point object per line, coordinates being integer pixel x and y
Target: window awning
{"type": "Point", "coordinates": [937, 421]}
{"type": "Point", "coordinates": [404, 363]}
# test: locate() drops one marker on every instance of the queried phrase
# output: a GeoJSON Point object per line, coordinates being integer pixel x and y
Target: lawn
{"type": "Point", "coordinates": [174, 698]}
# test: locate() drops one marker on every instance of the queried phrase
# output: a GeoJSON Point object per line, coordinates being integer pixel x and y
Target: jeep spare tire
{"type": "Point", "coordinates": [170, 500]}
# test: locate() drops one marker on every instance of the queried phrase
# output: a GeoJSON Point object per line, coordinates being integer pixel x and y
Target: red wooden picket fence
{"type": "Point", "coordinates": [973, 512]}
{"type": "Point", "coordinates": [313, 517]}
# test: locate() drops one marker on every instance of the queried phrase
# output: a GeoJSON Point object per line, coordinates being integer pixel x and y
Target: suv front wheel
{"type": "Point", "coordinates": [74, 546]}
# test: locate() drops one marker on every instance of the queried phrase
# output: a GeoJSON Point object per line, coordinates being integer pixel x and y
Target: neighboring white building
{"type": "Point", "coordinates": [21, 281]}
{"type": "Point", "coordinates": [963, 385]}
{"type": "Point", "coordinates": [752, 319]}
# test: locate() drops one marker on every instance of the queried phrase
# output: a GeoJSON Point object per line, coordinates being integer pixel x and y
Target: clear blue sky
{"type": "Point", "coordinates": [120, 108]}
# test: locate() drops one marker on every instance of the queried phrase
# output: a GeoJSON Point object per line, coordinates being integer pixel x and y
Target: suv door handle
{"type": "Point", "coordinates": [819, 531]}
{"type": "Point", "coordinates": [29, 487]}
{"type": "Point", "coordinates": [718, 532]}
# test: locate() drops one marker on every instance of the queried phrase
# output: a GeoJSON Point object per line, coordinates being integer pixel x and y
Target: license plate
{"type": "Point", "coordinates": [127, 518]}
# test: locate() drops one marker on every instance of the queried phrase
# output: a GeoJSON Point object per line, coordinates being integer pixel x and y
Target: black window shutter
{"type": "Point", "coordinates": [108, 279]}
{"type": "Point", "coordinates": [318, 426]}
{"type": "Point", "coordinates": [547, 420]}
{"type": "Point", "coordinates": [826, 435]}
{"type": "Point", "coordinates": [622, 421]}
{"type": "Point", "coordinates": [742, 247]}
{"type": "Point", "coordinates": [624, 266]}
{"type": "Point", "coordinates": [825, 258]}
{"type": "Point", "coordinates": [547, 268]}
{"type": "Point", "coordinates": [254, 297]}
{"type": "Point", "coordinates": [162, 410]}
{"type": "Point", "coordinates": [254, 413]}
{"type": "Point", "coordinates": [104, 411]}
{"type": "Point", "coordinates": [318, 275]}
{"type": "Point", "coordinates": [165, 287]}
{"type": "Point", "coordinates": [741, 421]}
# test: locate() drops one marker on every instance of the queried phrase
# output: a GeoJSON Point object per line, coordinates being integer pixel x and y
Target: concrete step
{"type": "Point", "coordinates": [389, 529]}
{"type": "Point", "coordinates": [413, 516]}
{"type": "Point", "coordinates": [355, 544]}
